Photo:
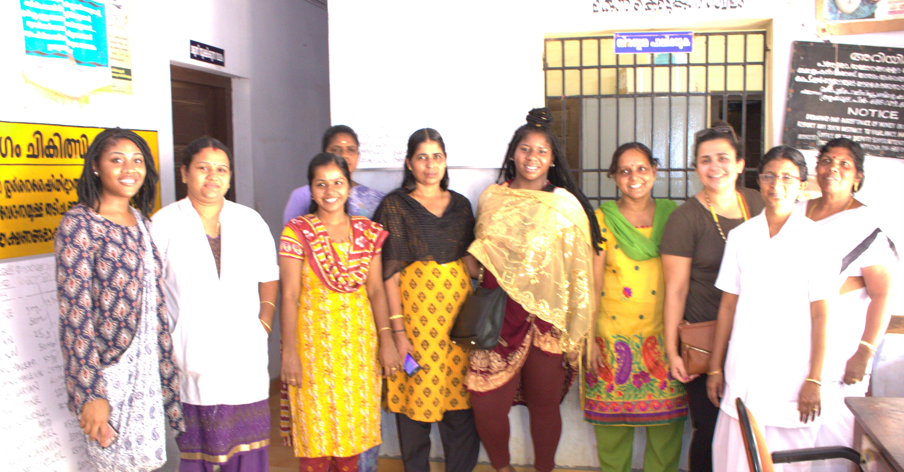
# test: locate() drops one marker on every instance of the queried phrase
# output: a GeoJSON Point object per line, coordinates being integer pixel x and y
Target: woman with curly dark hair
{"type": "Point", "coordinates": [113, 326]}
{"type": "Point", "coordinates": [538, 239]}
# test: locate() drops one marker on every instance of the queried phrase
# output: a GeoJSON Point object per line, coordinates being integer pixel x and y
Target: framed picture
{"type": "Point", "coordinates": [837, 17]}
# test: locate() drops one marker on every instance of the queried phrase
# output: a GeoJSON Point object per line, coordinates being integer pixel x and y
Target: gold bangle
{"type": "Point", "coordinates": [269, 329]}
{"type": "Point", "coordinates": [814, 381]}
{"type": "Point", "coordinates": [385, 327]}
{"type": "Point", "coordinates": [868, 345]}
{"type": "Point", "coordinates": [396, 316]}
{"type": "Point", "coordinates": [269, 303]}
{"type": "Point", "coordinates": [714, 372]}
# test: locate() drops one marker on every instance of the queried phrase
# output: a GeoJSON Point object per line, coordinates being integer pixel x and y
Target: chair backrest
{"type": "Point", "coordinates": [757, 453]}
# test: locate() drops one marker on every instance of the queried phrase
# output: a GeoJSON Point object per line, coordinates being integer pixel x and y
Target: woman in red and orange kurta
{"type": "Point", "coordinates": [333, 313]}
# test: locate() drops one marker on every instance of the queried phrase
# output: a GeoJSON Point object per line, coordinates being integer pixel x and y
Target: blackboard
{"type": "Point", "coordinates": [38, 432]}
{"type": "Point", "coordinates": [846, 91]}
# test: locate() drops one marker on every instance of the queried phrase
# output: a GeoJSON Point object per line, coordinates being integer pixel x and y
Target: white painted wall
{"type": "Point", "coordinates": [277, 55]}
{"type": "Point", "coordinates": [473, 69]}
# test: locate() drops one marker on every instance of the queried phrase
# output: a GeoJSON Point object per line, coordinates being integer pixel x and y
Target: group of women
{"type": "Point", "coordinates": [168, 319]}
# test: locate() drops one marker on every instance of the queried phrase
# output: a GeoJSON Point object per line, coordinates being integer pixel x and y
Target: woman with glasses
{"type": "Point", "coordinates": [775, 281]}
{"type": "Point", "coordinates": [864, 260]}
{"type": "Point", "coordinates": [221, 280]}
{"type": "Point", "coordinates": [691, 248]}
{"type": "Point", "coordinates": [633, 388]}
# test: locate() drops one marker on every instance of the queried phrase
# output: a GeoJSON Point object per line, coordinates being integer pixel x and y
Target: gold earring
{"type": "Point", "coordinates": [857, 187]}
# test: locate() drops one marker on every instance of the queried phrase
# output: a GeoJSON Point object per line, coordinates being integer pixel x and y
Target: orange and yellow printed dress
{"type": "Point", "coordinates": [336, 411]}
{"type": "Point", "coordinates": [635, 387]}
{"type": "Point", "coordinates": [432, 295]}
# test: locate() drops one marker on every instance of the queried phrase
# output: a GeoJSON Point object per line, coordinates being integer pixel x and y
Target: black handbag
{"type": "Point", "coordinates": [479, 322]}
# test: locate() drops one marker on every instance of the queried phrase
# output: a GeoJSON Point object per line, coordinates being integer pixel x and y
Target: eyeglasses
{"type": "Point", "coordinates": [784, 179]}
{"type": "Point", "coordinates": [724, 129]}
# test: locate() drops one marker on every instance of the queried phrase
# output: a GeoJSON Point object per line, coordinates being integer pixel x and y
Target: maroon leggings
{"type": "Point", "coordinates": [327, 463]}
{"type": "Point", "coordinates": [542, 377]}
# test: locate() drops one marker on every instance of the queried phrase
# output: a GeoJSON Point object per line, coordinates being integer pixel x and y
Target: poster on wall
{"type": "Point", "coordinates": [837, 17]}
{"type": "Point", "coordinates": [76, 48]}
{"type": "Point", "coordinates": [39, 170]}
{"type": "Point", "coordinates": [38, 430]}
{"type": "Point", "coordinates": [846, 91]}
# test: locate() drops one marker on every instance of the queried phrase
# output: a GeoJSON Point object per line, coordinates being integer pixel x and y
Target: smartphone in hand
{"type": "Point", "coordinates": [110, 435]}
{"type": "Point", "coordinates": [411, 365]}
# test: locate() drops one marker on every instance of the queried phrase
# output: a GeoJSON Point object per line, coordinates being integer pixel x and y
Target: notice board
{"type": "Point", "coordinates": [846, 91]}
{"type": "Point", "coordinates": [39, 432]}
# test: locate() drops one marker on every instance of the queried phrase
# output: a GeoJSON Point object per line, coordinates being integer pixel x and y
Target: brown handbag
{"type": "Point", "coordinates": [696, 345]}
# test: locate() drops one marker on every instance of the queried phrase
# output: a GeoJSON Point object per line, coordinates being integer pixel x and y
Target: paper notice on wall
{"type": "Point", "coordinates": [38, 430]}
{"type": "Point", "coordinates": [74, 48]}
{"type": "Point", "coordinates": [119, 45]}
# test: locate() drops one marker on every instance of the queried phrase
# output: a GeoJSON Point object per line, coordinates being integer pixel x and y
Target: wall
{"type": "Point", "coordinates": [473, 69]}
{"type": "Point", "coordinates": [276, 53]}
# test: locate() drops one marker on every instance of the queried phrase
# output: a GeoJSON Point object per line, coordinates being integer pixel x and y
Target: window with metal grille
{"type": "Point", "coordinates": [601, 100]}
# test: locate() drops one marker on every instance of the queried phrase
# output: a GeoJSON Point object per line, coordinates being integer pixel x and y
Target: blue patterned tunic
{"type": "Point", "coordinates": [99, 277]}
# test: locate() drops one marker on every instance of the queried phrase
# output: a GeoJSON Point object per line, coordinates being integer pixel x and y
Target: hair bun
{"type": "Point", "coordinates": [540, 117]}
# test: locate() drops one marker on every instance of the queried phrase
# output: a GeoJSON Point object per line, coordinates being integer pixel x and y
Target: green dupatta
{"type": "Point", "coordinates": [635, 245]}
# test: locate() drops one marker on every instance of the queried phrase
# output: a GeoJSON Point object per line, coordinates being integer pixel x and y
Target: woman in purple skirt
{"type": "Point", "coordinates": [220, 276]}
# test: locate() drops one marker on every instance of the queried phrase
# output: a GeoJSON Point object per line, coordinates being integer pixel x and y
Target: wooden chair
{"type": "Point", "coordinates": [758, 454]}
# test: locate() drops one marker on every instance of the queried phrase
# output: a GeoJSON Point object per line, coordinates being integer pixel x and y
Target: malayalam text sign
{"type": "Point", "coordinates": [846, 91]}
{"type": "Point", "coordinates": [40, 166]}
{"type": "Point", "coordinates": [638, 43]}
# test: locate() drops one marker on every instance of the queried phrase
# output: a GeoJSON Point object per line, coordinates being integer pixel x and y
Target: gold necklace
{"type": "Point", "coordinates": [813, 208]}
{"type": "Point", "coordinates": [716, 218]}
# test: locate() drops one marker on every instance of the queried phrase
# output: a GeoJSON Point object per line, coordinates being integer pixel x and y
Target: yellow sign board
{"type": "Point", "coordinates": [39, 170]}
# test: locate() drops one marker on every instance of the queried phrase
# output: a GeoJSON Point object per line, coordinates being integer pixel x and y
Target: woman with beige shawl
{"type": "Point", "coordinates": [537, 238]}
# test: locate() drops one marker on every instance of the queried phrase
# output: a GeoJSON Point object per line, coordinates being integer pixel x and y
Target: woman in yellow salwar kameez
{"type": "Point", "coordinates": [333, 313]}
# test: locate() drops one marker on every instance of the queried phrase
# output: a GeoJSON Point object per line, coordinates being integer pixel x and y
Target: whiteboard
{"type": "Point", "coordinates": [37, 430]}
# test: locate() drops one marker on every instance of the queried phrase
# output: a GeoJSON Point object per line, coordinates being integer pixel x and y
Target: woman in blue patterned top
{"type": "Point", "coordinates": [117, 352]}
{"type": "Point", "coordinates": [362, 201]}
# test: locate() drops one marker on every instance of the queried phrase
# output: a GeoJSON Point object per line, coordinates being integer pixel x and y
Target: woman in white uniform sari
{"type": "Point", "coordinates": [775, 282]}
{"type": "Point", "coordinates": [221, 281]}
{"type": "Point", "coordinates": [864, 260]}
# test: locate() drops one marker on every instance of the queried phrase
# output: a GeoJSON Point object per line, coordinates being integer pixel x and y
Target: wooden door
{"type": "Point", "coordinates": [202, 106]}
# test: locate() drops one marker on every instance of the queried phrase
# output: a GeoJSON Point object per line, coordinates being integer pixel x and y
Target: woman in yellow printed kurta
{"type": "Point", "coordinates": [333, 313]}
{"type": "Point", "coordinates": [634, 388]}
{"type": "Point", "coordinates": [336, 408]}
{"type": "Point", "coordinates": [432, 294]}
{"type": "Point", "coordinates": [425, 271]}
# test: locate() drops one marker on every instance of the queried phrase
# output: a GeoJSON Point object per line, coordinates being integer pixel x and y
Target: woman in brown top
{"type": "Point", "coordinates": [691, 248]}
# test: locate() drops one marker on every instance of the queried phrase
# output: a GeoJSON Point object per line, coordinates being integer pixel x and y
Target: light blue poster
{"type": "Point", "coordinates": [74, 30]}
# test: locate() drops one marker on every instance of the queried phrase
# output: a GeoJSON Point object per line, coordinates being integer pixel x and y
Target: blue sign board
{"type": "Point", "coordinates": [72, 30]}
{"type": "Point", "coordinates": [636, 43]}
